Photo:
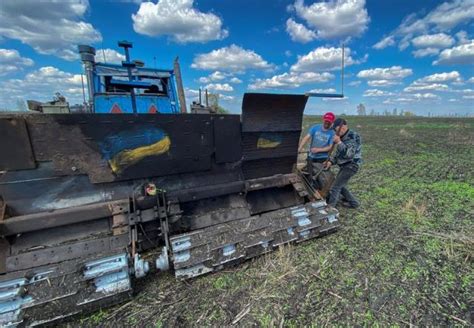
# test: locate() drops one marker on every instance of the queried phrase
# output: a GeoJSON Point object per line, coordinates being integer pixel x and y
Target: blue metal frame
{"type": "Point", "coordinates": [128, 76]}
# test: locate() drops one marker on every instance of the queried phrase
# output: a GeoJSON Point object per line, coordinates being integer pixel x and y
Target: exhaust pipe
{"type": "Point", "coordinates": [88, 58]}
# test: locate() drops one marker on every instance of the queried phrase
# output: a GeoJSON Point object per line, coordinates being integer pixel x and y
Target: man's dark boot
{"type": "Point", "coordinates": [349, 205]}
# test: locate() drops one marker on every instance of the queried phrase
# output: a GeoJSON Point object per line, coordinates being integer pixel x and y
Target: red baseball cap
{"type": "Point", "coordinates": [330, 117]}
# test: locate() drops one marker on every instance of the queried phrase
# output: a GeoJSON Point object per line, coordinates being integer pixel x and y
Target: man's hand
{"type": "Point", "coordinates": [336, 139]}
{"type": "Point", "coordinates": [315, 150]}
{"type": "Point", "coordinates": [327, 164]}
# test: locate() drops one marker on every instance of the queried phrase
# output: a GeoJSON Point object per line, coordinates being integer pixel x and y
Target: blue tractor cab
{"type": "Point", "coordinates": [131, 87]}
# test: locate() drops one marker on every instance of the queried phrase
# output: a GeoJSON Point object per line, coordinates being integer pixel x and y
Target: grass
{"type": "Point", "coordinates": [403, 259]}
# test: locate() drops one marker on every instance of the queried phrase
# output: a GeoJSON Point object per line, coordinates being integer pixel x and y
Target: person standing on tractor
{"type": "Point", "coordinates": [321, 136]}
{"type": "Point", "coordinates": [347, 156]}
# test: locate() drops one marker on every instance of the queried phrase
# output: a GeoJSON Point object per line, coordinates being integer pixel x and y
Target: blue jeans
{"type": "Point", "coordinates": [339, 186]}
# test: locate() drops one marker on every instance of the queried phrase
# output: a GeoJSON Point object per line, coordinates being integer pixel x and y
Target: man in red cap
{"type": "Point", "coordinates": [321, 136]}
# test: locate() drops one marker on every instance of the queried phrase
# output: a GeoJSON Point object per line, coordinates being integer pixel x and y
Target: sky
{"type": "Point", "coordinates": [415, 56]}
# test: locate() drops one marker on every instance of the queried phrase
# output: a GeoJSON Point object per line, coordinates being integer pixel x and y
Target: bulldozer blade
{"type": "Point", "coordinates": [271, 128]}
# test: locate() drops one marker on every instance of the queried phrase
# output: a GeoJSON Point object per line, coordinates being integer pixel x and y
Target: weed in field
{"type": "Point", "coordinates": [223, 282]}
{"type": "Point", "coordinates": [98, 317]}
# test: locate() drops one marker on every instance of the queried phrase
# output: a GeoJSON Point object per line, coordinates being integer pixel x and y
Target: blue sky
{"type": "Point", "coordinates": [412, 55]}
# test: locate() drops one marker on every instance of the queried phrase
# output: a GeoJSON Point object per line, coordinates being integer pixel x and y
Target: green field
{"type": "Point", "coordinates": [404, 258]}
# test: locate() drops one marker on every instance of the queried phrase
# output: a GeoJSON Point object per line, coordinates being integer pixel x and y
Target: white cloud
{"type": "Point", "coordinates": [179, 20]}
{"type": "Point", "coordinates": [382, 83]}
{"type": "Point", "coordinates": [425, 96]}
{"type": "Point", "coordinates": [434, 82]}
{"type": "Point", "coordinates": [377, 93]}
{"type": "Point", "coordinates": [443, 18]}
{"type": "Point", "coordinates": [216, 76]}
{"type": "Point", "coordinates": [51, 27]}
{"type": "Point", "coordinates": [462, 37]}
{"type": "Point", "coordinates": [111, 56]}
{"type": "Point", "coordinates": [393, 73]}
{"type": "Point", "coordinates": [384, 43]}
{"type": "Point", "coordinates": [41, 85]}
{"type": "Point", "coordinates": [430, 45]}
{"type": "Point", "coordinates": [441, 77]}
{"type": "Point", "coordinates": [235, 80]}
{"type": "Point", "coordinates": [192, 95]}
{"type": "Point", "coordinates": [425, 52]}
{"type": "Point", "coordinates": [219, 76]}
{"type": "Point", "coordinates": [226, 97]}
{"type": "Point", "coordinates": [354, 83]}
{"type": "Point", "coordinates": [298, 32]}
{"type": "Point", "coordinates": [290, 80]}
{"type": "Point", "coordinates": [329, 90]}
{"type": "Point", "coordinates": [11, 61]}
{"type": "Point", "coordinates": [440, 40]}
{"type": "Point", "coordinates": [336, 99]}
{"type": "Point", "coordinates": [471, 80]}
{"type": "Point", "coordinates": [402, 99]}
{"type": "Point", "coordinates": [450, 14]}
{"type": "Point", "coordinates": [334, 19]}
{"type": "Point", "coordinates": [415, 87]}
{"type": "Point", "coordinates": [232, 58]}
{"type": "Point", "coordinates": [468, 97]}
{"type": "Point", "coordinates": [458, 55]}
{"type": "Point", "coordinates": [189, 93]}
{"type": "Point", "coordinates": [219, 87]}
{"type": "Point", "coordinates": [324, 59]}
{"type": "Point", "coordinates": [417, 97]}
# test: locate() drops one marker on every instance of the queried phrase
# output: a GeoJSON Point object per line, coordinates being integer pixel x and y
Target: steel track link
{"type": "Point", "coordinates": [215, 247]}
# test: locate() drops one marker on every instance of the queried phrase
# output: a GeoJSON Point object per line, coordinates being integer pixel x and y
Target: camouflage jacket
{"type": "Point", "coordinates": [349, 150]}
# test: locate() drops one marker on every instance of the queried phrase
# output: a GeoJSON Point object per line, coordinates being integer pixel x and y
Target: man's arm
{"type": "Point", "coordinates": [322, 149]}
{"type": "Point", "coordinates": [303, 142]}
{"type": "Point", "coordinates": [348, 148]}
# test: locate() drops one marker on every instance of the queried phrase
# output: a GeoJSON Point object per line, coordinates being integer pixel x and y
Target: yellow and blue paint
{"type": "Point", "coordinates": [127, 148]}
{"type": "Point", "coordinates": [269, 140]}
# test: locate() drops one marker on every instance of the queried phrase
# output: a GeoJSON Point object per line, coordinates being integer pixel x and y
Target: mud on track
{"type": "Point", "coordinates": [405, 258]}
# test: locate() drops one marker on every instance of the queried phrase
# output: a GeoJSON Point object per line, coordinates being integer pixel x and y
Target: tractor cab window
{"type": "Point", "coordinates": [158, 87]}
{"type": "Point", "coordinates": [115, 88]}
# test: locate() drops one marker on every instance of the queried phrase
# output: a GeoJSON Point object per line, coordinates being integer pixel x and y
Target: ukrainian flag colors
{"type": "Point", "coordinates": [268, 140]}
{"type": "Point", "coordinates": [127, 148]}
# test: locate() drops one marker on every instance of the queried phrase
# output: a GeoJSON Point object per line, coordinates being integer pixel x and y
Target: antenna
{"type": "Point", "coordinates": [83, 91]}
{"type": "Point", "coordinates": [342, 72]}
{"type": "Point", "coordinates": [103, 53]}
{"type": "Point", "coordinates": [331, 95]}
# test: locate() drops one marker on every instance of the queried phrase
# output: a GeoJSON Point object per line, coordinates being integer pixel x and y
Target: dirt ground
{"type": "Point", "coordinates": [404, 258]}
